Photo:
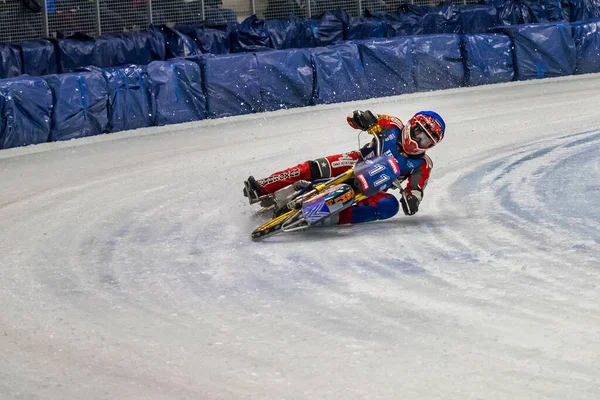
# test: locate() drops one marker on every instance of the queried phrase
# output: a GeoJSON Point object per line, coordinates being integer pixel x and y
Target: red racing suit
{"type": "Point", "coordinates": [416, 169]}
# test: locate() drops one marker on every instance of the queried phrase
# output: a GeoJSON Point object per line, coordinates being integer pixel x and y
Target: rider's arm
{"type": "Point", "coordinates": [373, 123]}
{"type": "Point", "coordinates": [417, 180]}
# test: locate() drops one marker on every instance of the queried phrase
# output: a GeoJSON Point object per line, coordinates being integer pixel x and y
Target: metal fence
{"type": "Point", "coordinates": [29, 19]}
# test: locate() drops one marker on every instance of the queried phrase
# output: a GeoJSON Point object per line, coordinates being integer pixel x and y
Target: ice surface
{"type": "Point", "coordinates": [127, 272]}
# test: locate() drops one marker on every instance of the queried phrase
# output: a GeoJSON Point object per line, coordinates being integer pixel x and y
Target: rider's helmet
{"type": "Point", "coordinates": [423, 131]}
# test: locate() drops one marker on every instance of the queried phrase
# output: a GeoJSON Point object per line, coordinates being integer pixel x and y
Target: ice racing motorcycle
{"type": "Point", "coordinates": [305, 204]}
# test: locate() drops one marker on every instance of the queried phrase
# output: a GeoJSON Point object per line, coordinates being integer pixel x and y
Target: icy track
{"type": "Point", "coordinates": [127, 272]}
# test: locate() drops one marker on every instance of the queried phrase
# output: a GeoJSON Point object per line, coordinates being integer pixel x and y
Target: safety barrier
{"type": "Point", "coordinates": [91, 101]}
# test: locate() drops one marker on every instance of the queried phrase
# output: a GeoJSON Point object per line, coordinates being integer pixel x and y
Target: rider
{"type": "Point", "coordinates": [406, 143]}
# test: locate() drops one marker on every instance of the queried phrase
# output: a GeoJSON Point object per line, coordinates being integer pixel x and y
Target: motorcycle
{"type": "Point", "coordinates": [305, 204]}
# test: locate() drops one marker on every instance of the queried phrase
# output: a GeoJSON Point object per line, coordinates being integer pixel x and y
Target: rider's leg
{"type": "Point", "coordinates": [325, 167]}
{"type": "Point", "coordinates": [379, 206]}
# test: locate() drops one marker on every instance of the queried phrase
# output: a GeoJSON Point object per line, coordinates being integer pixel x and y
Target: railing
{"type": "Point", "coordinates": [30, 19]}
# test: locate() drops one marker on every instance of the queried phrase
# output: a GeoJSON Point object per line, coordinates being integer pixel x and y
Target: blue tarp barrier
{"type": "Point", "coordinates": [409, 21]}
{"type": "Point", "coordinates": [10, 61]}
{"type": "Point", "coordinates": [117, 49]}
{"type": "Point", "coordinates": [250, 35]}
{"type": "Point", "coordinates": [542, 50]}
{"type": "Point", "coordinates": [437, 62]}
{"type": "Point", "coordinates": [365, 28]}
{"type": "Point", "coordinates": [331, 26]}
{"type": "Point", "coordinates": [478, 18]}
{"type": "Point", "coordinates": [80, 105]}
{"type": "Point", "coordinates": [176, 90]}
{"type": "Point", "coordinates": [339, 74]}
{"type": "Point", "coordinates": [587, 46]}
{"type": "Point", "coordinates": [488, 59]}
{"type": "Point", "coordinates": [177, 44]}
{"type": "Point", "coordinates": [292, 33]}
{"type": "Point", "coordinates": [157, 41]}
{"type": "Point", "coordinates": [286, 78]}
{"type": "Point", "coordinates": [581, 10]}
{"type": "Point", "coordinates": [129, 105]}
{"type": "Point", "coordinates": [236, 93]}
{"type": "Point", "coordinates": [25, 110]}
{"type": "Point", "coordinates": [39, 57]}
{"type": "Point", "coordinates": [76, 51]}
{"type": "Point", "coordinates": [443, 19]}
{"type": "Point", "coordinates": [213, 40]}
{"type": "Point", "coordinates": [388, 66]}
{"type": "Point", "coordinates": [513, 12]}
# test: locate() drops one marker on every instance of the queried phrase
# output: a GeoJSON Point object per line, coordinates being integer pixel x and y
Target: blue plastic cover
{"type": "Point", "coordinates": [129, 105]}
{"type": "Point", "coordinates": [158, 45]}
{"type": "Point", "coordinates": [286, 78]}
{"type": "Point", "coordinates": [365, 28]}
{"type": "Point", "coordinates": [250, 35]}
{"type": "Point", "coordinates": [10, 61]}
{"type": "Point", "coordinates": [542, 50]}
{"type": "Point", "coordinates": [177, 44]}
{"type": "Point", "coordinates": [39, 57]}
{"type": "Point", "coordinates": [388, 66]}
{"type": "Point", "coordinates": [331, 27]}
{"type": "Point", "coordinates": [442, 19]}
{"type": "Point", "coordinates": [290, 33]}
{"type": "Point", "coordinates": [478, 18]}
{"type": "Point", "coordinates": [513, 12]}
{"type": "Point", "coordinates": [582, 10]}
{"type": "Point", "coordinates": [25, 110]}
{"type": "Point", "coordinates": [80, 105]}
{"type": "Point", "coordinates": [340, 75]}
{"type": "Point", "coordinates": [488, 58]}
{"type": "Point", "coordinates": [176, 90]}
{"type": "Point", "coordinates": [437, 62]}
{"type": "Point", "coordinates": [239, 93]}
{"type": "Point", "coordinates": [409, 21]}
{"type": "Point", "coordinates": [587, 44]}
{"type": "Point", "coordinates": [115, 49]}
{"type": "Point", "coordinates": [75, 51]}
{"type": "Point", "coordinates": [214, 39]}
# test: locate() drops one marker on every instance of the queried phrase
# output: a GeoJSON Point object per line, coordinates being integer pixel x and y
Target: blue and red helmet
{"type": "Point", "coordinates": [423, 131]}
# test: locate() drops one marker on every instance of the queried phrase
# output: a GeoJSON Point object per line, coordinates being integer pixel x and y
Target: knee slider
{"type": "Point", "coordinates": [387, 207]}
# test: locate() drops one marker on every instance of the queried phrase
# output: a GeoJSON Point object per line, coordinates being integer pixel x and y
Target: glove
{"type": "Point", "coordinates": [410, 203]}
{"type": "Point", "coordinates": [364, 120]}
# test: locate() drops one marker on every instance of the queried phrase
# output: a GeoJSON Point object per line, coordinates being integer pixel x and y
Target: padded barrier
{"type": "Point", "coordinates": [478, 18]}
{"type": "Point", "coordinates": [442, 19]}
{"type": "Point", "coordinates": [513, 12]}
{"type": "Point", "coordinates": [488, 59]}
{"type": "Point", "coordinates": [214, 40]}
{"type": "Point", "coordinates": [75, 52]}
{"type": "Point", "coordinates": [129, 105]}
{"type": "Point", "coordinates": [339, 74]}
{"type": "Point", "coordinates": [437, 62]}
{"type": "Point", "coordinates": [10, 61]}
{"type": "Point", "coordinates": [25, 111]}
{"type": "Point", "coordinates": [117, 49]}
{"type": "Point", "coordinates": [80, 105]}
{"type": "Point", "coordinates": [292, 33]}
{"type": "Point", "coordinates": [587, 46]}
{"type": "Point", "coordinates": [331, 27]}
{"type": "Point", "coordinates": [365, 28]}
{"type": "Point", "coordinates": [581, 10]}
{"type": "Point", "coordinates": [177, 44]}
{"type": "Point", "coordinates": [542, 50]}
{"type": "Point", "coordinates": [236, 94]}
{"type": "Point", "coordinates": [39, 57]}
{"type": "Point", "coordinates": [286, 79]}
{"type": "Point", "coordinates": [176, 91]}
{"type": "Point", "coordinates": [250, 36]}
{"type": "Point", "coordinates": [388, 66]}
